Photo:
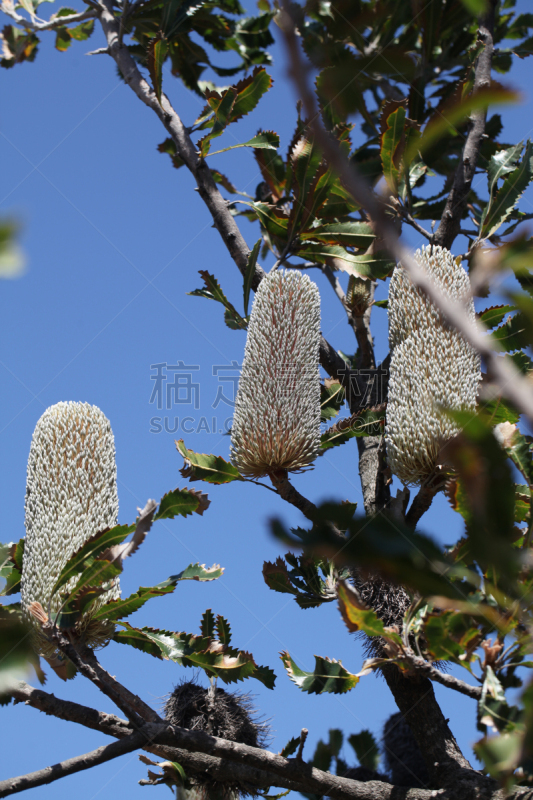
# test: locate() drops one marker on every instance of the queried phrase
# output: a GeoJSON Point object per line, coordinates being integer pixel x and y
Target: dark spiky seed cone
{"type": "Point", "coordinates": [403, 758]}
{"type": "Point", "coordinates": [227, 715]}
{"type": "Point", "coordinates": [389, 601]}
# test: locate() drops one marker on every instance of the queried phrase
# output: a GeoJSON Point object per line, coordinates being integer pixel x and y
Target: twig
{"type": "Point", "coordinates": [86, 761]}
{"type": "Point", "coordinates": [450, 223]}
{"type": "Point", "coordinates": [86, 662]}
{"type": "Point", "coordinates": [421, 503]}
{"type": "Point", "coordinates": [511, 383]}
{"type": "Point", "coordinates": [285, 489]}
{"type": "Point", "coordinates": [406, 216]}
{"type": "Point", "coordinates": [423, 667]}
{"type": "Point", "coordinates": [303, 737]}
{"type": "Point", "coordinates": [52, 24]}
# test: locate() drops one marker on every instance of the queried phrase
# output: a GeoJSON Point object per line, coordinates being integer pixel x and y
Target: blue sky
{"type": "Point", "coordinates": [114, 239]}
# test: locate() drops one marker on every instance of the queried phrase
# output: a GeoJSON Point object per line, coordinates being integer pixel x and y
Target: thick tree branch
{"type": "Point", "coordinates": [230, 761]}
{"type": "Point", "coordinates": [450, 223]}
{"type": "Point", "coordinates": [416, 700]}
{"type": "Point", "coordinates": [106, 753]}
{"type": "Point", "coordinates": [224, 760]}
{"type": "Point", "coordinates": [511, 383]}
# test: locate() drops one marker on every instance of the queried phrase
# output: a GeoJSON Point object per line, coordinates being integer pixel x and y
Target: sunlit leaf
{"type": "Point", "coordinates": [328, 676]}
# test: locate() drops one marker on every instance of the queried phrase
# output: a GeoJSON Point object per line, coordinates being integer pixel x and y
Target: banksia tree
{"type": "Point", "coordinates": [432, 368]}
{"type": "Point", "coordinates": [71, 494]}
{"type": "Point", "coordinates": [276, 425]}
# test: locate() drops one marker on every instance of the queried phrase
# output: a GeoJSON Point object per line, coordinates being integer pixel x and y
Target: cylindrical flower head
{"type": "Point", "coordinates": [276, 425]}
{"type": "Point", "coordinates": [432, 367]}
{"type": "Point", "coordinates": [410, 309]}
{"type": "Point", "coordinates": [71, 494]}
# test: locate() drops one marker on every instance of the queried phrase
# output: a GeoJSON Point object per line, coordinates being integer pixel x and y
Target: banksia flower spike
{"type": "Point", "coordinates": [71, 494]}
{"type": "Point", "coordinates": [276, 425]}
{"type": "Point", "coordinates": [432, 367]}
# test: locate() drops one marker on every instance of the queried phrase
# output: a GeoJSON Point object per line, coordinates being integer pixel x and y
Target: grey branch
{"type": "Point", "coordinates": [224, 760]}
{"type": "Point", "coordinates": [450, 223]}
{"type": "Point", "coordinates": [423, 667]}
{"type": "Point", "coordinates": [285, 489]}
{"type": "Point", "coordinates": [50, 25]}
{"type": "Point", "coordinates": [86, 662]}
{"type": "Point", "coordinates": [72, 765]}
{"type": "Point", "coordinates": [511, 383]}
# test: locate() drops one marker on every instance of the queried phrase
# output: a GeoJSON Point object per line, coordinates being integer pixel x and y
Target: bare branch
{"type": "Point", "coordinates": [50, 25]}
{"type": "Point", "coordinates": [86, 662]}
{"type": "Point", "coordinates": [450, 223]}
{"type": "Point", "coordinates": [511, 383]}
{"type": "Point", "coordinates": [423, 667]}
{"type": "Point", "coordinates": [106, 753]}
{"type": "Point", "coordinates": [285, 489]}
{"type": "Point", "coordinates": [422, 502]}
{"type": "Point", "coordinates": [225, 760]}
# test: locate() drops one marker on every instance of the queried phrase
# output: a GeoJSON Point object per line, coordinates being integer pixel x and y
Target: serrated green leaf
{"type": "Point", "coordinates": [365, 748]}
{"type": "Point", "coordinates": [63, 39]}
{"type": "Point", "coordinates": [369, 422]}
{"type": "Point", "coordinates": [273, 219]}
{"type": "Point", "coordinates": [499, 410]}
{"type": "Point", "coordinates": [328, 676]}
{"type": "Point", "coordinates": [376, 267]}
{"type": "Point", "coordinates": [513, 334]}
{"type": "Point", "coordinates": [266, 140]}
{"type": "Point", "coordinates": [501, 163]}
{"type": "Point", "coordinates": [514, 185]}
{"type": "Point", "coordinates": [157, 53]}
{"type": "Point", "coordinates": [208, 468]}
{"type": "Point", "coordinates": [392, 140]}
{"type": "Point", "coordinates": [183, 502]}
{"type": "Point", "coordinates": [331, 400]}
{"type": "Point", "coordinates": [351, 234]}
{"type": "Point", "coordinates": [11, 567]}
{"type": "Point", "coordinates": [249, 274]}
{"type": "Point", "coordinates": [83, 31]}
{"type": "Point", "coordinates": [213, 291]}
{"type": "Point", "coordinates": [207, 625]}
{"type": "Point", "coordinates": [359, 618]}
{"type": "Point", "coordinates": [216, 659]}
{"type": "Point", "coordinates": [123, 607]}
{"type": "Point", "coordinates": [85, 557]}
{"type": "Point", "coordinates": [291, 747]}
{"type": "Point", "coordinates": [223, 630]}
{"type": "Point", "coordinates": [494, 315]}
{"type": "Point", "coordinates": [169, 147]}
